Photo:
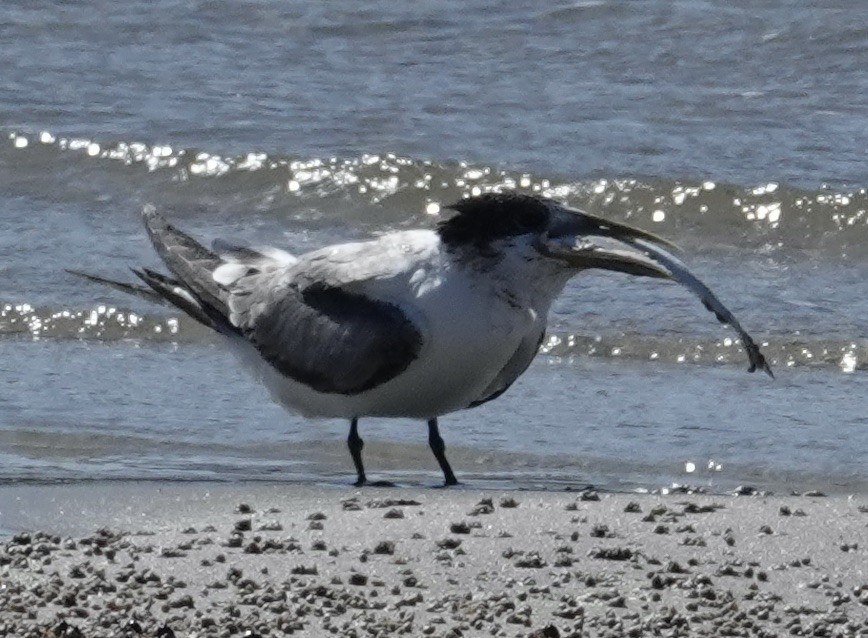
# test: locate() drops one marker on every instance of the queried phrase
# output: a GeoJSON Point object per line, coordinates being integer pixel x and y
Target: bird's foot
{"type": "Point", "coordinates": [363, 482]}
{"type": "Point", "coordinates": [448, 483]}
{"type": "Point", "coordinates": [381, 483]}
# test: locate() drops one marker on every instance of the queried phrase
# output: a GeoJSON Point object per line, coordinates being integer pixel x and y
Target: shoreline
{"type": "Point", "coordinates": [222, 559]}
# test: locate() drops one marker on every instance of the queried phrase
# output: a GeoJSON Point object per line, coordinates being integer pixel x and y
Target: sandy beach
{"type": "Point", "coordinates": [204, 559]}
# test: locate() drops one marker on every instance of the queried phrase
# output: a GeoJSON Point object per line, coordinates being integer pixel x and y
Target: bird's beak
{"type": "Point", "coordinates": [568, 222]}
{"type": "Point", "coordinates": [584, 241]}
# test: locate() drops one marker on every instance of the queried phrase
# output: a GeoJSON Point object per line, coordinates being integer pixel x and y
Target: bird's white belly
{"type": "Point", "coordinates": [467, 343]}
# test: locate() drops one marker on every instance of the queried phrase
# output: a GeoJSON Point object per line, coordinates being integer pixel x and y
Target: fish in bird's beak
{"type": "Point", "coordinates": [583, 241]}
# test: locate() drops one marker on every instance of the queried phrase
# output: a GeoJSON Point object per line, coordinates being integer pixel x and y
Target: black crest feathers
{"type": "Point", "coordinates": [483, 219]}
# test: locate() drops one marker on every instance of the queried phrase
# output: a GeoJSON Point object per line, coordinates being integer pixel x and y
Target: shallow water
{"type": "Point", "coordinates": [736, 131]}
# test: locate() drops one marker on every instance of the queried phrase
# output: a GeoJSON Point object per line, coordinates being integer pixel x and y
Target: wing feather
{"type": "Point", "coordinates": [325, 337]}
{"type": "Point", "coordinates": [314, 323]}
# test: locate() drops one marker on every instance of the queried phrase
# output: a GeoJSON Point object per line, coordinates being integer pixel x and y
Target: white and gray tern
{"type": "Point", "coordinates": [414, 323]}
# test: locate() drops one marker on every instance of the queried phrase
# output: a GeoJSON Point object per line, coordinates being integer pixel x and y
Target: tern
{"type": "Point", "coordinates": [412, 323]}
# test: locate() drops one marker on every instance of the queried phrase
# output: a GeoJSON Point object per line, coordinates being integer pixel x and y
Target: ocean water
{"type": "Point", "coordinates": [737, 130]}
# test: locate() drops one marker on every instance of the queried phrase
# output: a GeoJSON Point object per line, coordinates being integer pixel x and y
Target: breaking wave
{"type": "Point", "coordinates": [383, 188]}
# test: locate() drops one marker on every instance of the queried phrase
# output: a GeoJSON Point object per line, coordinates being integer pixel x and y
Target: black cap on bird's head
{"type": "Point", "coordinates": [485, 218]}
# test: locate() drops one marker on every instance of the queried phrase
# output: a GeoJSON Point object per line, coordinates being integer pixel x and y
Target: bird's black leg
{"type": "Point", "coordinates": [439, 447]}
{"type": "Point", "coordinates": [355, 443]}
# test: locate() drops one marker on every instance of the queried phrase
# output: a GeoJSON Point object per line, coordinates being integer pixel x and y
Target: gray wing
{"type": "Point", "coordinates": [352, 266]}
{"type": "Point", "coordinates": [300, 315]}
{"type": "Point", "coordinates": [312, 327]}
{"type": "Point", "coordinates": [307, 317]}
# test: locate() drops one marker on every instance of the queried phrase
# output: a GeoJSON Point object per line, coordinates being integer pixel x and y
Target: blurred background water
{"type": "Point", "coordinates": [738, 130]}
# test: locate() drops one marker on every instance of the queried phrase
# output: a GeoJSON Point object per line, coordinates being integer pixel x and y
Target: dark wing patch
{"type": "Point", "coordinates": [334, 341]}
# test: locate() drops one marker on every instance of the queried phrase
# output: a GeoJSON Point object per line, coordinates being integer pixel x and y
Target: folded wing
{"type": "Point", "coordinates": [308, 320]}
{"type": "Point", "coordinates": [325, 337]}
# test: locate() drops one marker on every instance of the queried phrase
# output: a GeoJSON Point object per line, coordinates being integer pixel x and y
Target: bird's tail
{"type": "Point", "coordinates": [191, 286]}
{"type": "Point", "coordinates": [136, 290]}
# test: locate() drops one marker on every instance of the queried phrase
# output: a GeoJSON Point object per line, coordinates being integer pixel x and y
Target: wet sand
{"type": "Point", "coordinates": [162, 560]}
